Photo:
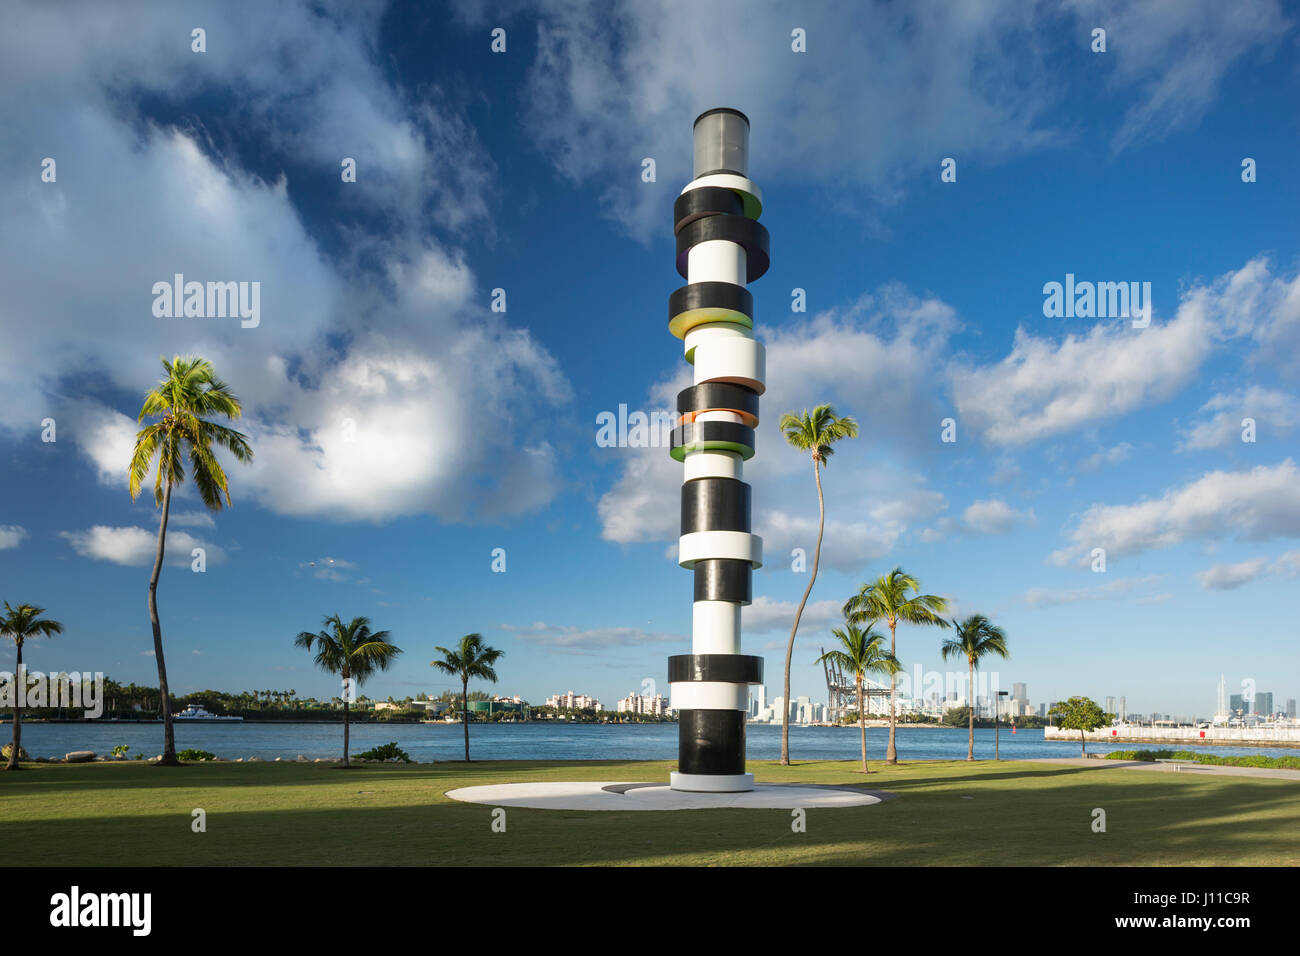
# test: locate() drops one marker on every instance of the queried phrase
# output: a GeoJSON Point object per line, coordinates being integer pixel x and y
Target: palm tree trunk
{"type": "Point", "coordinates": [862, 724]}
{"type": "Point", "coordinates": [465, 698]}
{"type": "Point", "coordinates": [19, 682]}
{"type": "Point", "coordinates": [1083, 744]}
{"type": "Point", "coordinates": [789, 648]}
{"type": "Point", "coordinates": [970, 714]}
{"type": "Point", "coordinates": [891, 752]}
{"type": "Point", "coordinates": [169, 736]}
{"type": "Point", "coordinates": [346, 733]}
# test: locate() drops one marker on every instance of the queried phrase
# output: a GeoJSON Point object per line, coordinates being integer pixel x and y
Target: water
{"type": "Point", "coordinates": [551, 741]}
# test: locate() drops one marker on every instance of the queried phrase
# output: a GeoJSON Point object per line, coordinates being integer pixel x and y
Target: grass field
{"type": "Point", "coordinates": [947, 812]}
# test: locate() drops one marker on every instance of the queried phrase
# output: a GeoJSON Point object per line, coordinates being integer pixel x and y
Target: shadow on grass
{"type": "Point", "coordinates": [296, 814]}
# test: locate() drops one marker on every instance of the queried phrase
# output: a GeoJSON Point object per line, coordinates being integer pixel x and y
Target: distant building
{"type": "Point", "coordinates": [656, 706]}
{"type": "Point", "coordinates": [571, 701]}
{"type": "Point", "coordinates": [1264, 703]}
{"type": "Point", "coordinates": [1290, 708]}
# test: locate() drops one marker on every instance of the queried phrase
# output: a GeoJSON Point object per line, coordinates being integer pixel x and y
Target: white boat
{"type": "Point", "coordinates": [199, 712]}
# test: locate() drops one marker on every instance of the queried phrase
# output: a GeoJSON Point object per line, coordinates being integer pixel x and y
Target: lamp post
{"type": "Point", "coordinates": [721, 247]}
{"type": "Point", "coordinates": [997, 741]}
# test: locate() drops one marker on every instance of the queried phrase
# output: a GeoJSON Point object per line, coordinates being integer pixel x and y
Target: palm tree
{"type": "Point", "coordinates": [471, 658]}
{"type": "Point", "coordinates": [814, 434]}
{"type": "Point", "coordinates": [975, 638]}
{"type": "Point", "coordinates": [18, 624]}
{"type": "Point", "coordinates": [187, 392]}
{"type": "Point", "coordinates": [863, 653]}
{"type": "Point", "coordinates": [352, 651]}
{"type": "Point", "coordinates": [886, 600]}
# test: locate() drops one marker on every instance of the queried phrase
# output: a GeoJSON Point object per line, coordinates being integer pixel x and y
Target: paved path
{"type": "Point", "coordinates": [1208, 769]}
{"type": "Point", "coordinates": [607, 795]}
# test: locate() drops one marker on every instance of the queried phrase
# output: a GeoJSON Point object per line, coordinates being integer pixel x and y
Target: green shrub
{"type": "Point", "coordinates": [195, 754]}
{"type": "Point", "coordinates": [1254, 760]}
{"type": "Point", "coordinates": [388, 751]}
{"type": "Point", "coordinates": [120, 750]}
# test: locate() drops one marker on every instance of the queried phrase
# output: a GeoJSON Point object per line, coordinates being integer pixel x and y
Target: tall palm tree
{"type": "Point", "coordinates": [863, 652]}
{"type": "Point", "coordinates": [471, 658]}
{"type": "Point", "coordinates": [975, 638]}
{"type": "Point", "coordinates": [351, 650]}
{"type": "Point", "coordinates": [18, 624]}
{"type": "Point", "coordinates": [815, 434]}
{"type": "Point", "coordinates": [886, 600]}
{"type": "Point", "coordinates": [187, 392]}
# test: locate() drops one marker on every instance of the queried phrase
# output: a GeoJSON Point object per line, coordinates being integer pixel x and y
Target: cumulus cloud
{"type": "Point", "coordinates": [137, 547]}
{"type": "Point", "coordinates": [988, 516]}
{"type": "Point", "coordinates": [11, 535]}
{"type": "Point", "coordinates": [1044, 387]}
{"type": "Point", "coordinates": [1226, 577]}
{"type": "Point", "coordinates": [361, 362]}
{"type": "Point", "coordinates": [1255, 504]}
{"type": "Point", "coordinates": [875, 354]}
{"type": "Point", "coordinates": [1274, 413]}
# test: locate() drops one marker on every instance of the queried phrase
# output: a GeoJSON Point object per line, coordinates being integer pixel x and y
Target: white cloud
{"type": "Point", "coordinates": [137, 547]}
{"type": "Point", "coordinates": [1106, 456]}
{"type": "Point", "coordinates": [1225, 577]}
{"type": "Point", "coordinates": [1255, 504]}
{"type": "Point", "coordinates": [389, 332]}
{"type": "Point", "coordinates": [1045, 388]}
{"type": "Point", "coordinates": [578, 640]}
{"type": "Point", "coordinates": [988, 516]}
{"type": "Point", "coordinates": [191, 519]}
{"type": "Point", "coordinates": [767, 616]}
{"type": "Point", "coordinates": [876, 357]}
{"type": "Point", "coordinates": [1111, 590]}
{"type": "Point", "coordinates": [11, 535]}
{"type": "Point", "coordinates": [993, 516]}
{"type": "Point", "coordinates": [615, 82]}
{"type": "Point", "coordinates": [1175, 56]}
{"type": "Point", "coordinates": [1274, 413]}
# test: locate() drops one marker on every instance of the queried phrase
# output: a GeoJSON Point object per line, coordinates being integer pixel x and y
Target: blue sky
{"type": "Point", "coordinates": [475, 430]}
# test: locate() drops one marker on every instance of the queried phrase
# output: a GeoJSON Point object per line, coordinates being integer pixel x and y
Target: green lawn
{"type": "Point", "coordinates": [947, 812]}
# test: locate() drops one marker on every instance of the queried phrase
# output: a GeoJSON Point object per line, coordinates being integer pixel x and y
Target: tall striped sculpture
{"type": "Point", "coordinates": [720, 248]}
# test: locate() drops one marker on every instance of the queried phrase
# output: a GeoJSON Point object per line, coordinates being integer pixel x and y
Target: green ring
{"type": "Point", "coordinates": [745, 452]}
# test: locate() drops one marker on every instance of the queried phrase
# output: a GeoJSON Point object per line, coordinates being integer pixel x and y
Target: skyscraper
{"type": "Point", "coordinates": [1290, 707]}
{"type": "Point", "coordinates": [1264, 703]}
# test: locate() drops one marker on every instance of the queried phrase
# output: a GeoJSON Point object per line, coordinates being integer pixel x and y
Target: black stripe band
{"type": "Point", "coordinates": [745, 232]}
{"type": "Point", "coordinates": [711, 741]}
{"type": "Point", "coordinates": [715, 504]}
{"type": "Point", "coordinates": [725, 668]}
{"type": "Point", "coordinates": [705, 201]}
{"type": "Point", "coordinates": [724, 579]}
{"type": "Point", "coordinates": [717, 395]}
{"type": "Point", "coordinates": [710, 433]}
{"type": "Point", "coordinates": [711, 295]}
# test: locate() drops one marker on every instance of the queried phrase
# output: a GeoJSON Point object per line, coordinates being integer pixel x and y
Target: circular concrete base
{"type": "Point", "coordinates": [658, 796]}
{"type": "Point", "coordinates": [711, 783]}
